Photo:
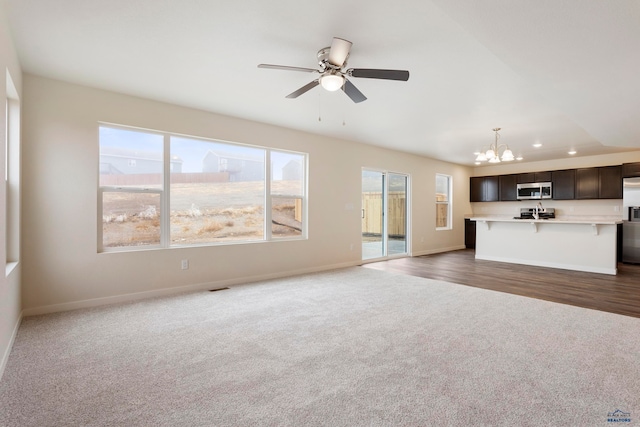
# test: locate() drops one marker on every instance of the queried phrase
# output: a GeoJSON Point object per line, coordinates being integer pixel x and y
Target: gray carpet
{"type": "Point", "coordinates": [351, 347]}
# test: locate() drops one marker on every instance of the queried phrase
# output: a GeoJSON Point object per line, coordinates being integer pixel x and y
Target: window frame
{"type": "Point", "coordinates": [447, 203]}
{"type": "Point", "coordinates": [12, 175]}
{"type": "Point", "coordinates": [165, 194]}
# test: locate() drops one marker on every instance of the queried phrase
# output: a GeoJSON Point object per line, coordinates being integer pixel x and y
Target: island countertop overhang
{"type": "Point", "coordinates": [559, 220]}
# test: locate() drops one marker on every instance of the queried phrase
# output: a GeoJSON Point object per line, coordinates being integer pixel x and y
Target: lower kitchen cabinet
{"type": "Point", "coordinates": [469, 234]}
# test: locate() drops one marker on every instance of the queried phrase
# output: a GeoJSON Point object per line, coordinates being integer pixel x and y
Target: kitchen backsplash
{"type": "Point", "coordinates": [564, 208]}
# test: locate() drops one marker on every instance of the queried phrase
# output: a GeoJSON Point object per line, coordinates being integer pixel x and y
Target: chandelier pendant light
{"type": "Point", "coordinates": [492, 155]}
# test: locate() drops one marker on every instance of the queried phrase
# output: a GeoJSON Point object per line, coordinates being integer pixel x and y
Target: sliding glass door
{"type": "Point", "coordinates": [384, 214]}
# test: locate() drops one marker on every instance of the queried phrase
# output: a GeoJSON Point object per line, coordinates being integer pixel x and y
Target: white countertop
{"type": "Point", "coordinates": [558, 220]}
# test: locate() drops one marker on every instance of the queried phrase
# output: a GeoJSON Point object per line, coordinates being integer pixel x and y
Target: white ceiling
{"type": "Point", "coordinates": [562, 73]}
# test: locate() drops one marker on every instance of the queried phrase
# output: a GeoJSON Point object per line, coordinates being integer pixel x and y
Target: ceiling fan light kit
{"type": "Point", "coordinates": [333, 76]}
{"type": "Point", "coordinates": [332, 82]}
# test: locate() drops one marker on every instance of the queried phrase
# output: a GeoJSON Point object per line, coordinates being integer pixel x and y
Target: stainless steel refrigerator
{"type": "Point", "coordinates": [631, 221]}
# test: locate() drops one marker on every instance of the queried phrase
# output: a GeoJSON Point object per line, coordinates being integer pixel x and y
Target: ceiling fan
{"type": "Point", "coordinates": [333, 76]}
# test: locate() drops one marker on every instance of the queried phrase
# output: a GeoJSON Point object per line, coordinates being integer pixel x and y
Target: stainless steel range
{"type": "Point", "coordinates": [530, 213]}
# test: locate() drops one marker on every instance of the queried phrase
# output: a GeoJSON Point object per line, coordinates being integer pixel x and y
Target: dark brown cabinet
{"type": "Point", "coordinates": [523, 178]}
{"type": "Point", "coordinates": [587, 183]}
{"type": "Point", "coordinates": [542, 176]}
{"type": "Point", "coordinates": [469, 234]}
{"type": "Point", "coordinates": [476, 189]}
{"type": "Point", "coordinates": [610, 184]}
{"type": "Point", "coordinates": [631, 170]}
{"type": "Point", "coordinates": [603, 182]}
{"type": "Point", "coordinates": [599, 183]}
{"type": "Point", "coordinates": [563, 184]}
{"type": "Point", "coordinates": [484, 189]}
{"type": "Point", "coordinates": [508, 188]}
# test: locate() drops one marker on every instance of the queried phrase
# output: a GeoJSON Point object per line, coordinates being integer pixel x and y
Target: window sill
{"type": "Point", "coordinates": [10, 267]}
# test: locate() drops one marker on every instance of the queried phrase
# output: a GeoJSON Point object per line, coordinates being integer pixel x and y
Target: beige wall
{"type": "Point", "coordinates": [62, 267]}
{"type": "Point", "coordinates": [10, 307]}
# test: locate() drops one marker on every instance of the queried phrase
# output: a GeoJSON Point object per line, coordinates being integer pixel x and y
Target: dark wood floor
{"type": "Point", "coordinates": [616, 294]}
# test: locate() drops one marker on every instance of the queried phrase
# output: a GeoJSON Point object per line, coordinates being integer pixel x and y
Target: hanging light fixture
{"type": "Point", "coordinates": [492, 155]}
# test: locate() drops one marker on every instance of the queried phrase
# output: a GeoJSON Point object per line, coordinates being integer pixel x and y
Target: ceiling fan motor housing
{"type": "Point", "coordinates": [323, 60]}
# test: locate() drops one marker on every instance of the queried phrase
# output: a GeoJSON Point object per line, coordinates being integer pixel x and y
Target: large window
{"type": "Point", "coordinates": [443, 202]}
{"type": "Point", "coordinates": [161, 190]}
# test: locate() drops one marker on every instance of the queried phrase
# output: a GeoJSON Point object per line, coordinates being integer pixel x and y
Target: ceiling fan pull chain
{"type": "Point", "coordinates": [319, 108]}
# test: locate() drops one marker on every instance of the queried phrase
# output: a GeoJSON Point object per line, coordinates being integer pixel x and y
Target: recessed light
{"type": "Point", "coordinates": [478, 163]}
{"type": "Point", "coordinates": [475, 153]}
{"type": "Point", "coordinates": [519, 158]}
{"type": "Point", "coordinates": [572, 152]}
{"type": "Point", "coordinates": [537, 145]}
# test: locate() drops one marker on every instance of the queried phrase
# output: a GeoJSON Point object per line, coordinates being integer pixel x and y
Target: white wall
{"type": "Point", "coordinates": [62, 267]}
{"type": "Point", "coordinates": [10, 307]}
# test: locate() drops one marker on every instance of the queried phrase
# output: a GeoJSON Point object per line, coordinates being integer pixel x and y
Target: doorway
{"type": "Point", "coordinates": [384, 214]}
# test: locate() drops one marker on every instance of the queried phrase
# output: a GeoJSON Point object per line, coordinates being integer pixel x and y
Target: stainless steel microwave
{"type": "Point", "coordinates": [534, 190]}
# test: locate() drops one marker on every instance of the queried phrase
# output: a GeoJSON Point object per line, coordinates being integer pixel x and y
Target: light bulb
{"type": "Point", "coordinates": [507, 156]}
{"type": "Point", "coordinates": [332, 82]}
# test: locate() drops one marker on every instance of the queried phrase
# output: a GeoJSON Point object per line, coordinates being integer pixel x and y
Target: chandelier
{"type": "Point", "coordinates": [492, 155]}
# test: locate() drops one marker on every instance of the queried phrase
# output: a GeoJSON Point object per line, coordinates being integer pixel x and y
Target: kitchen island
{"type": "Point", "coordinates": [572, 244]}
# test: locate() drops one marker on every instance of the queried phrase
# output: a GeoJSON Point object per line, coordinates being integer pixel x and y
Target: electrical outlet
{"type": "Point", "coordinates": [185, 264]}
{"type": "Point", "coordinates": [616, 208]}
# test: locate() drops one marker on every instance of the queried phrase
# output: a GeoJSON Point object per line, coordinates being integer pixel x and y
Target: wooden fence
{"type": "Point", "coordinates": [396, 210]}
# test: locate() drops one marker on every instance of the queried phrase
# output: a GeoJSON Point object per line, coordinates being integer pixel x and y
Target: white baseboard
{"type": "Point", "coordinates": [7, 351]}
{"type": "Point", "coordinates": [117, 299]}
{"type": "Point", "coordinates": [439, 250]}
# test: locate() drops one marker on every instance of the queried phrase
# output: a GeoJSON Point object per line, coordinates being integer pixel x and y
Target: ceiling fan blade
{"type": "Point", "coordinates": [339, 51]}
{"type": "Point", "coordinates": [372, 73]}
{"type": "Point", "coordinates": [304, 89]}
{"type": "Point", "coordinates": [353, 92]}
{"type": "Point", "coordinates": [288, 68]}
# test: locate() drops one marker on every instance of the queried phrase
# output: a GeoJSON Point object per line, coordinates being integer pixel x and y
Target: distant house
{"type": "Point", "coordinates": [292, 171]}
{"type": "Point", "coordinates": [240, 167]}
{"type": "Point", "coordinates": [122, 161]}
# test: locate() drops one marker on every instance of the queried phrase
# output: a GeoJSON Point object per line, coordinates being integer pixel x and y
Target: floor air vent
{"type": "Point", "coordinates": [216, 290]}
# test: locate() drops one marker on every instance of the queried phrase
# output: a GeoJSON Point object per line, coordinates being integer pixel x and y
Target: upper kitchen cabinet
{"type": "Point", "coordinates": [508, 185]}
{"type": "Point", "coordinates": [484, 189]}
{"type": "Point", "coordinates": [542, 176]}
{"type": "Point", "coordinates": [564, 184]}
{"type": "Point", "coordinates": [631, 170]}
{"type": "Point", "coordinates": [587, 183]}
{"type": "Point", "coordinates": [610, 184]}
{"type": "Point", "coordinates": [599, 183]}
{"type": "Point", "coordinates": [524, 178]}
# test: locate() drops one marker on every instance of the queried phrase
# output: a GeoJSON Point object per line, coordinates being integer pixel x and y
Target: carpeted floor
{"type": "Point", "coordinates": [350, 347]}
